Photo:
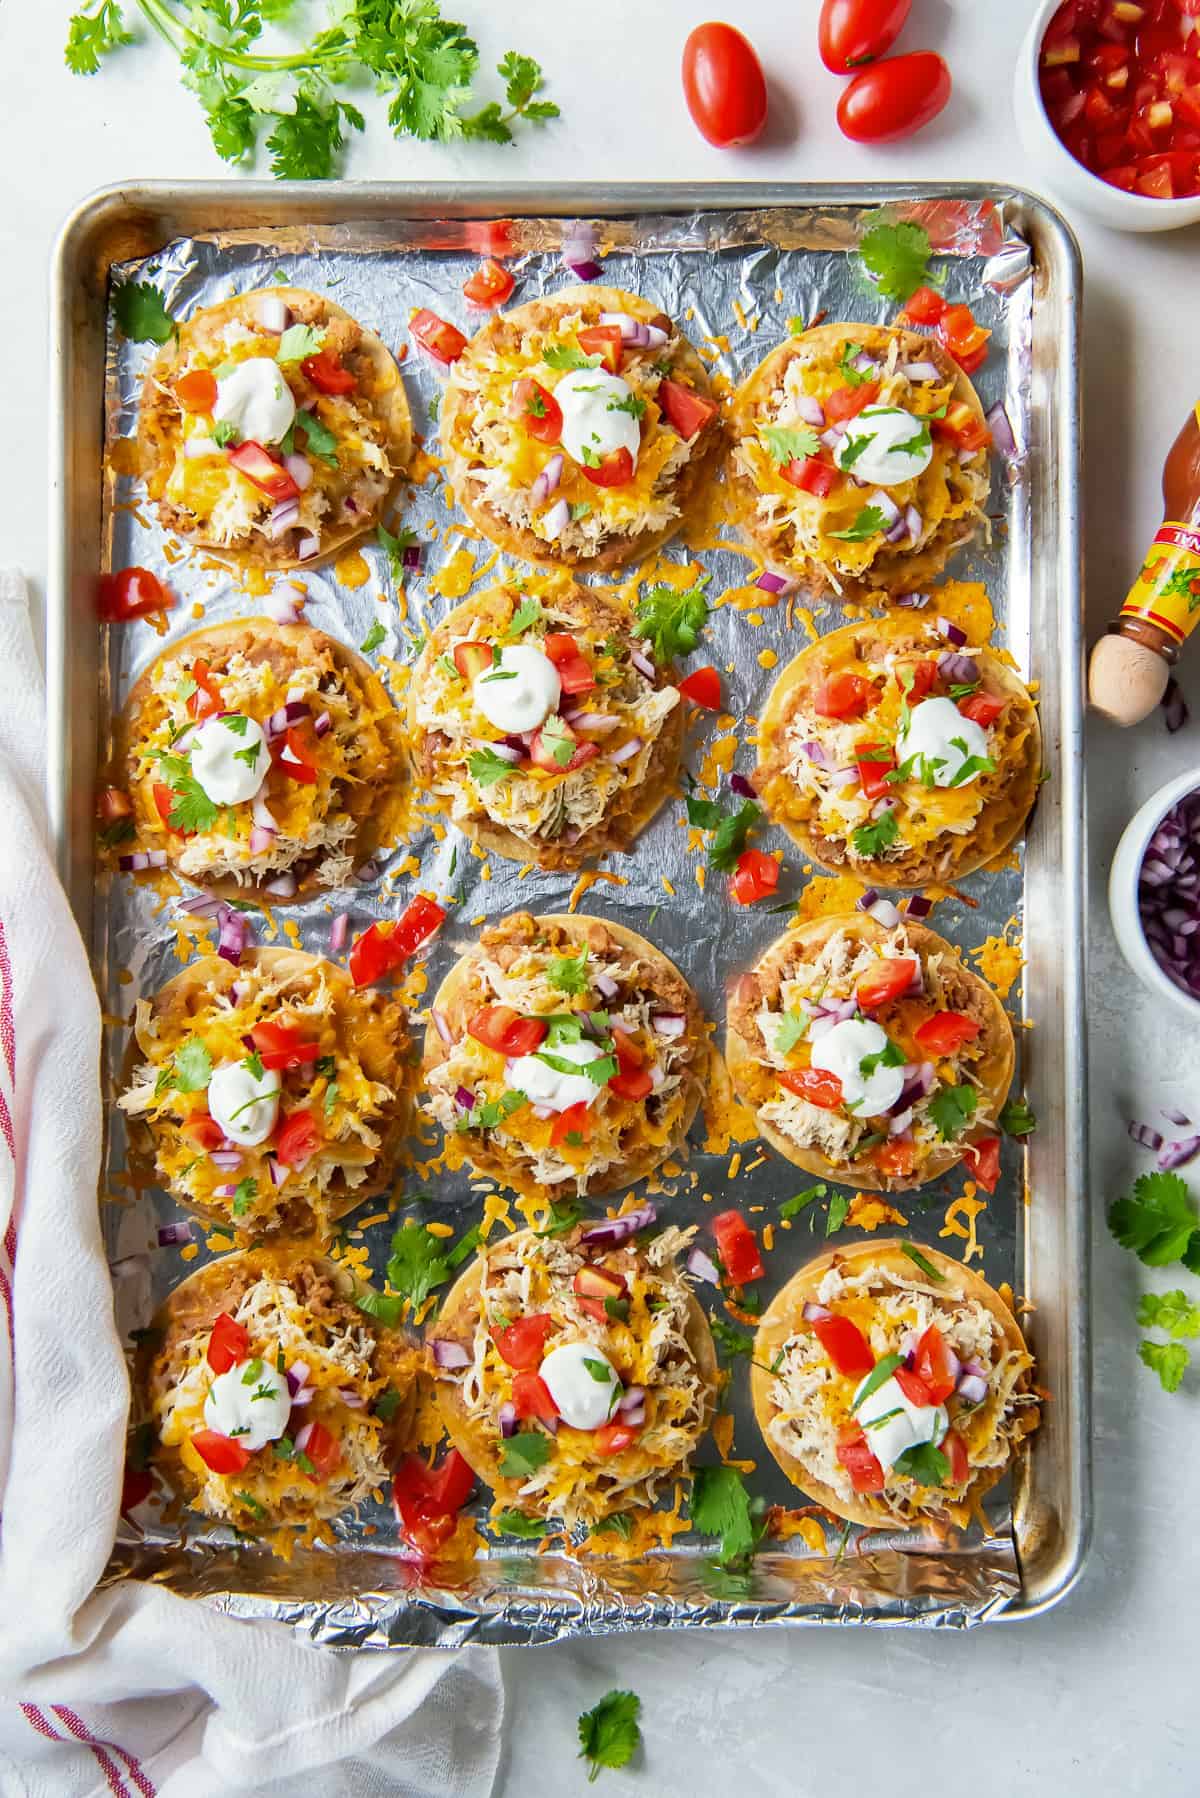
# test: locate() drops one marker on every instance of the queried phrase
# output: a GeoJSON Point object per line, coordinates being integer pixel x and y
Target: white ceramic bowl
{"type": "Point", "coordinates": [1123, 889]}
{"type": "Point", "coordinates": [1068, 178]}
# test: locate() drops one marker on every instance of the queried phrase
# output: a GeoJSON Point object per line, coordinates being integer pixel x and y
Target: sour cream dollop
{"type": "Point", "coordinates": [256, 400]}
{"type": "Point", "coordinates": [842, 1050]}
{"type": "Point", "coordinates": [586, 1396]}
{"type": "Point", "coordinates": [230, 758]}
{"type": "Point", "coordinates": [251, 1403]}
{"type": "Point", "coordinates": [938, 731]}
{"type": "Point", "coordinates": [595, 418]}
{"type": "Point", "coordinates": [544, 1085]}
{"type": "Point", "coordinates": [521, 693]}
{"type": "Point", "coordinates": [884, 463]}
{"type": "Point", "coordinates": [244, 1105]}
{"type": "Point", "coordinates": [911, 1425]}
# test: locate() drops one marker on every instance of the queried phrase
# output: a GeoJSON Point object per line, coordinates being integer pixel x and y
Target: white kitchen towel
{"type": "Point", "coordinates": [132, 1690]}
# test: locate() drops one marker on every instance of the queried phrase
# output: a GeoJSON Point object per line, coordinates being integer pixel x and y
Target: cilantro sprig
{"type": "Point", "coordinates": [419, 1262]}
{"type": "Point", "coordinates": [609, 1732]}
{"type": "Point", "coordinates": [721, 1506]}
{"type": "Point", "coordinates": [424, 66]}
{"type": "Point", "coordinates": [672, 621]}
{"type": "Point", "coordinates": [894, 257]}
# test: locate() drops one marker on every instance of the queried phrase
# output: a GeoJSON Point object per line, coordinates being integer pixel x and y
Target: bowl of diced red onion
{"type": "Point", "coordinates": [1154, 892]}
{"type": "Point", "coordinates": [1107, 99]}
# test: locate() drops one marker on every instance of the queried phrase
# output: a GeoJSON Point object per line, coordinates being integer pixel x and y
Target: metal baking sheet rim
{"type": "Point", "coordinates": [133, 219]}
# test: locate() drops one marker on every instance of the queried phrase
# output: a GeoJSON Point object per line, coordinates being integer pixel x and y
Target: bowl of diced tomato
{"type": "Point", "coordinates": [1108, 100]}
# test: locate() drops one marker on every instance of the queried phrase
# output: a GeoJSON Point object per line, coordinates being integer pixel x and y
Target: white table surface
{"type": "Point", "coordinates": [1098, 1696]}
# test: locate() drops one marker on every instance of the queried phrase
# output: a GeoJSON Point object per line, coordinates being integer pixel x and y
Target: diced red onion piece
{"type": "Point", "coordinates": [867, 899]}
{"type": "Point", "coordinates": [865, 365]}
{"type": "Point", "coordinates": [300, 469]}
{"type": "Point", "coordinates": [1143, 1134]}
{"type": "Point", "coordinates": [771, 583]}
{"type": "Point", "coordinates": [547, 481]}
{"type": "Point", "coordinates": [833, 436]}
{"type": "Point", "coordinates": [897, 532]}
{"type": "Point", "coordinates": [277, 1171]}
{"type": "Point", "coordinates": [669, 1023]}
{"type": "Point", "coordinates": [450, 1354]}
{"type": "Point", "coordinates": [643, 664]}
{"type": "Point", "coordinates": [282, 604]}
{"type": "Point", "coordinates": [606, 986]}
{"type": "Point", "coordinates": [1177, 1154]}
{"type": "Point", "coordinates": [883, 502]}
{"type": "Point", "coordinates": [972, 1388]}
{"type": "Point", "coordinates": [307, 548]}
{"type": "Point", "coordinates": [226, 1159]}
{"type": "Point", "coordinates": [410, 555]}
{"type": "Point", "coordinates": [585, 271]}
{"type": "Point", "coordinates": [141, 860]}
{"type": "Point", "coordinates": [744, 789]}
{"type": "Point", "coordinates": [592, 721]}
{"type": "Point", "coordinates": [631, 1399]}
{"type": "Point", "coordinates": [625, 323]}
{"type": "Point", "coordinates": [656, 337]}
{"type": "Point", "coordinates": [508, 1419]}
{"type": "Point", "coordinates": [816, 752]}
{"type": "Point", "coordinates": [914, 602]}
{"type": "Point", "coordinates": [282, 518]}
{"type": "Point", "coordinates": [505, 751]}
{"type": "Point", "coordinates": [282, 888]}
{"type": "Point", "coordinates": [272, 313]}
{"type": "Point", "coordinates": [169, 1234]}
{"type": "Point", "coordinates": [841, 778]}
{"type": "Point", "coordinates": [811, 411]}
{"type": "Point", "coordinates": [955, 667]}
{"type": "Point", "coordinates": [914, 524]}
{"type": "Point", "coordinates": [464, 1098]}
{"type": "Point", "coordinates": [917, 906]}
{"type": "Point", "coordinates": [625, 751]}
{"type": "Point", "coordinates": [353, 1401]}
{"type": "Point", "coordinates": [1174, 1116]}
{"type": "Point", "coordinates": [1000, 426]}
{"type": "Point", "coordinates": [920, 372]}
{"type": "Point", "coordinates": [303, 1438]}
{"type": "Point", "coordinates": [322, 725]}
{"type": "Point", "coordinates": [814, 1313]}
{"type": "Point", "coordinates": [952, 633]}
{"type": "Point", "coordinates": [884, 912]}
{"type": "Point", "coordinates": [232, 932]}
{"type": "Point", "coordinates": [297, 1376]}
{"type": "Point", "coordinates": [616, 1230]}
{"type": "Point", "coordinates": [441, 1025]}
{"type": "Point", "coordinates": [901, 1122]}
{"type": "Point", "coordinates": [703, 1266]}
{"type": "Point", "coordinates": [555, 521]}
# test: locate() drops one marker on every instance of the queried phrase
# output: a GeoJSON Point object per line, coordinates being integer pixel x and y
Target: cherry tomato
{"type": "Point", "coordinates": [845, 403]}
{"type": "Point", "coordinates": [523, 1343]}
{"type": "Point", "coordinates": [873, 773]}
{"type": "Point", "coordinates": [814, 1084]}
{"type": "Point", "coordinates": [574, 1121]}
{"type": "Point", "coordinates": [945, 1032]}
{"type": "Point", "coordinates": [112, 804]}
{"type": "Point", "coordinates": [685, 410]}
{"type": "Point", "coordinates": [283, 1044]}
{"type": "Point", "coordinates": [703, 687]}
{"type": "Point", "coordinates": [755, 877]}
{"type": "Point", "coordinates": [738, 1248]}
{"type": "Point", "coordinates": [490, 285]}
{"type": "Point", "coordinates": [933, 1366]}
{"type": "Point", "coordinates": [472, 658]}
{"type": "Point", "coordinates": [327, 375]}
{"type": "Point", "coordinates": [132, 593]}
{"type": "Point", "coordinates": [503, 1029]}
{"type": "Point", "coordinates": [531, 1397]}
{"type": "Point", "coordinates": [723, 85]}
{"type": "Point", "coordinates": [845, 1345]}
{"type": "Point", "coordinates": [383, 946]}
{"type": "Point", "coordinates": [893, 99]}
{"type": "Point", "coordinates": [852, 32]}
{"type": "Point", "coordinates": [611, 1438]}
{"type": "Point", "coordinates": [197, 390]}
{"type": "Point", "coordinates": [298, 1139]}
{"type": "Point", "coordinates": [207, 699]}
{"type": "Point", "coordinates": [888, 979]}
{"type": "Point", "coordinates": [574, 670]}
{"type": "Point", "coordinates": [594, 1284]}
{"type": "Point", "coordinates": [895, 1160]}
{"type": "Point", "coordinates": [538, 410]}
{"type": "Point", "coordinates": [604, 341]}
{"type": "Point", "coordinates": [854, 1453]}
{"type": "Point", "coordinates": [983, 1158]}
{"type": "Point", "coordinates": [220, 1453]}
{"type": "Point", "coordinates": [843, 695]}
{"type": "Point", "coordinates": [924, 307]}
{"type": "Point", "coordinates": [631, 1081]}
{"type": "Point", "coordinates": [444, 341]}
{"type": "Point", "coordinates": [613, 470]}
{"type": "Point", "coordinates": [811, 475]}
{"type": "Point", "coordinates": [228, 1345]}
{"type": "Point", "coordinates": [982, 708]}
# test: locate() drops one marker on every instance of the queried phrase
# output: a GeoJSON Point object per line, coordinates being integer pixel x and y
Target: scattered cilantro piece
{"type": "Point", "coordinates": [244, 1196]}
{"type": "Point", "coordinates": [923, 1463]}
{"type": "Point", "coordinates": [952, 1108]}
{"type": "Point", "coordinates": [916, 445]}
{"type": "Point", "coordinates": [734, 1342]}
{"type": "Point", "coordinates": [853, 377]}
{"type": "Point", "coordinates": [802, 1200]}
{"type": "Point", "coordinates": [600, 1371]}
{"type": "Point", "coordinates": [122, 830]}
{"type": "Point", "coordinates": [1156, 1221]}
{"type": "Point", "coordinates": [796, 326]}
{"type": "Point", "coordinates": [721, 1507]}
{"type": "Point", "coordinates": [631, 404]}
{"type": "Point", "coordinates": [285, 1450]}
{"type": "Point", "coordinates": [489, 1114]}
{"type": "Point", "coordinates": [873, 839]}
{"type": "Point", "coordinates": [839, 1205]}
{"type": "Point", "coordinates": [486, 768]}
{"type": "Point", "coordinates": [895, 257]}
{"type": "Point", "coordinates": [297, 342]}
{"type": "Point", "coordinates": [706, 814]}
{"type": "Point", "coordinates": [853, 447]}
{"type": "Point", "coordinates": [191, 807]}
{"type": "Point", "coordinates": [620, 1523]}
{"type": "Point", "coordinates": [1016, 1119]}
{"type": "Point", "coordinates": [394, 544]}
{"type": "Point", "coordinates": [305, 142]}
{"type": "Point", "coordinates": [729, 839]}
{"type": "Point", "coordinates": [616, 1310]}
{"type": "Point", "coordinates": [568, 356]}
{"type": "Point", "coordinates": [527, 614]}
{"type": "Point", "coordinates": [319, 440]}
{"type": "Point", "coordinates": [523, 1454]}
{"type": "Point", "coordinates": [793, 1028]}
{"type": "Point", "coordinates": [1169, 1360]}
{"type": "Point", "coordinates": [890, 1056]}
{"type": "Point", "coordinates": [568, 973]}
{"type": "Point", "coordinates": [225, 432]}
{"type": "Point", "coordinates": [784, 444]}
{"type": "Point", "coordinates": [140, 313]}
{"type": "Point", "coordinates": [564, 1215]}
{"type": "Point", "coordinates": [250, 1502]}
{"type": "Point", "coordinates": [1173, 1312]}
{"type": "Point", "coordinates": [869, 523]}
{"type": "Point", "coordinates": [373, 638]}
{"type": "Point", "coordinates": [387, 1404]}
{"type": "Point", "coordinates": [516, 1523]}
{"type": "Point", "coordinates": [922, 1261]}
{"type": "Point", "coordinates": [94, 34]}
{"type": "Point", "coordinates": [417, 1263]}
{"type": "Point", "coordinates": [609, 1733]}
{"type": "Point", "coordinates": [193, 1067]}
{"type": "Point", "coordinates": [671, 620]}
{"type": "Point", "coordinates": [882, 1370]}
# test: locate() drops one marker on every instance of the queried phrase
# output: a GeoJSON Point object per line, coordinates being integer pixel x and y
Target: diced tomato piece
{"type": "Point", "coordinates": [503, 1029]}
{"type": "Point", "coordinates": [847, 402]}
{"type": "Point", "coordinates": [574, 1121]}
{"type": "Point", "coordinates": [427, 1499]}
{"type": "Point", "coordinates": [845, 1345]}
{"type": "Point", "coordinates": [1101, 110]}
{"type": "Point", "coordinates": [452, 1481]}
{"type": "Point", "coordinates": [955, 1451]}
{"type": "Point", "coordinates": [631, 1081]}
{"type": "Point", "coordinates": [895, 1160]}
{"type": "Point", "coordinates": [684, 409]}
{"type": "Point", "coordinates": [132, 593]}
{"type": "Point", "coordinates": [703, 687]}
{"type": "Point", "coordinates": [924, 675]}
{"type": "Point", "coordinates": [444, 341]}
{"type": "Point", "coordinates": [613, 470]}
{"type": "Point", "coordinates": [1188, 105]}
{"type": "Point", "coordinates": [207, 699]}
{"type": "Point", "coordinates": [874, 764]}
{"type": "Point", "coordinates": [263, 472]}
{"type": "Point", "coordinates": [945, 1032]}
{"type": "Point", "coordinates": [933, 1366]}
{"type": "Point", "coordinates": [889, 979]}
{"type": "Point", "coordinates": [737, 1245]}
{"type": "Point", "coordinates": [604, 341]}
{"type": "Point", "coordinates": [220, 1454]}
{"type": "Point", "coordinates": [811, 475]}
{"type": "Point", "coordinates": [323, 1450]}
{"type": "Point", "coordinates": [490, 285]}
{"type": "Point", "coordinates": [291, 755]}
{"type": "Point", "coordinates": [913, 1387]}
{"type": "Point", "coordinates": [594, 1282]}
{"type": "Point", "coordinates": [959, 334]}
{"type": "Point", "coordinates": [472, 658]}
{"type": "Point", "coordinates": [383, 946]}
{"type": "Point", "coordinates": [755, 877]}
{"type": "Point", "coordinates": [538, 410]}
{"type": "Point", "coordinates": [963, 427]}
{"type": "Point", "coordinates": [982, 708]}
{"type": "Point", "coordinates": [611, 1438]}
{"type": "Point", "coordinates": [983, 1159]}
{"type": "Point", "coordinates": [165, 801]}
{"type": "Point", "coordinates": [1124, 178]}
{"type": "Point", "coordinates": [136, 1488]}
{"type": "Point", "coordinates": [814, 1084]}
{"type": "Point", "coordinates": [854, 1453]}
{"type": "Point", "coordinates": [574, 670]}
{"type": "Point", "coordinates": [283, 1044]}
{"type": "Point", "coordinates": [924, 307]}
{"type": "Point", "coordinates": [531, 1396]}
{"type": "Point", "coordinates": [228, 1345]}
{"type": "Point", "coordinates": [1155, 180]}
{"type": "Point", "coordinates": [197, 390]}
{"type": "Point", "coordinates": [523, 1343]}
{"type": "Point", "coordinates": [113, 805]}
{"type": "Point", "coordinates": [490, 237]}
{"type": "Point", "coordinates": [204, 1131]}
{"type": "Point", "coordinates": [327, 375]}
{"type": "Point", "coordinates": [844, 695]}
{"type": "Point", "coordinates": [298, 1139]}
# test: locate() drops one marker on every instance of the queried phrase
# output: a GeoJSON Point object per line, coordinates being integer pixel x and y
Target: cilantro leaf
{"type": "Point", "coordinates": [528, 613]}
{"type": "Point", "coordinates": [486, 768]}
{"type": "Point", "coordinates": [385, 1306]}
{"type": "Point", "coordinates": [802, 1200]}
{"type": "Point", "coordinates": [721, 1507]}
{"type": "Point", "coordinates": [1173, 1312]}
{"type": "Point", "coordinates": [785, 444]}
{"type": "Point", "coordinates": [488, 1114]}
{"type": "Point", "coordinates": [226, 432]}
{"type": "Point", "coordinates": [869, 523]}
{"type": "Point", "coordinates": [1169, 1360]}
{"type": "Point", "coordinates": [417, 1263]}
{"type": "Point", "coordinates": [89, 37]}
{"type": "Point", "coordinates": [734, 1342]}
{"type": "Point", "coordinates": [618, 1523]}
{"type": "Point", "coordinates": [394, 544]}
{"type": "Point", "coordinates": [191, 807]}
{"type": "Point", "coordinates": [1156, 1221]}
{"type": "Point", "coordinates": [706, 814]}
{"type": "Point", "coordinates": [568, 973]}
{"type": "Point", "coordinates": [373, 638]}
{"type": "Point", "coordinates": [193, 1066]}
{"type": "Point", "coordinates": [523, 1454]}
{"type": "Point", "coordinates": [853, 447]}
{"type": "Point", "coordinates": [568, 356]}
{"type": "Point", "coordinates": [793, 1028]}
{"type": "Point", "coordinates": [244, 1196]}
{"type": "Point", "coordinates": [387, 1404]}
{"type": "Point", "coordinates": [839, 1206]}
{"type": "Point", "coordinates": [729, 838]}
{"type": "Point", "coordinates": [895, 257]}
{"type": "Point", "coordinates": [1016, 1119]}
{"type": "Point", "coordinates": [516, 1523]}
{"type": "Point", "coordinates": [853, 377]}
{"type": "Point", "coordinates": [672, 621]}
{"type": "Point", "coordinates": [140, 313]}
{"type": "Point", "coordinates": [297, 342]}
{"type": "Point", "coordinates": [890, 1056]}
{"type": "Point", "coordinates": [873, 839]}
{"type": "Point", "coordinates": [305, 142]}
{"type": "Point", "coordinates": [609, 1732]}
{"type": "Point", "coordinates": [564, 1215]}
{"type": "Point", "coordinates": [319, 440]}
{"type": "Point", "coordinates": [952, 1108]}
{"type": "Point", "coordinates": [923, 1463]}
{"type": "Point", "coordinates": [916, 445]}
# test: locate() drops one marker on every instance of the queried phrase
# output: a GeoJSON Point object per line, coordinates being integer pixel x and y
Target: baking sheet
{"type": "Point", "coordinates": [702, 269]}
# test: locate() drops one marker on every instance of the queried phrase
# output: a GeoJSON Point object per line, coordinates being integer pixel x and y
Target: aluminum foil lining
{"type": "Point", "coordinates": [732, 280]}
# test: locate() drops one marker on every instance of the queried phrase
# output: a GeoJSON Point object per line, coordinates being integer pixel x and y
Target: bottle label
{"type": "Point", "coordinates": [1167, 591]}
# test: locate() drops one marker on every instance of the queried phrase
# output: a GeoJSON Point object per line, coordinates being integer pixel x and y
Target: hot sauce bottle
{"type": "Point", "coordinates": [1131, 665]}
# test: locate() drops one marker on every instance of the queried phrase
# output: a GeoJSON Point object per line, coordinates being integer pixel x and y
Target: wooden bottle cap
{"type": "Point", "coordinates": [1125, 679]}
